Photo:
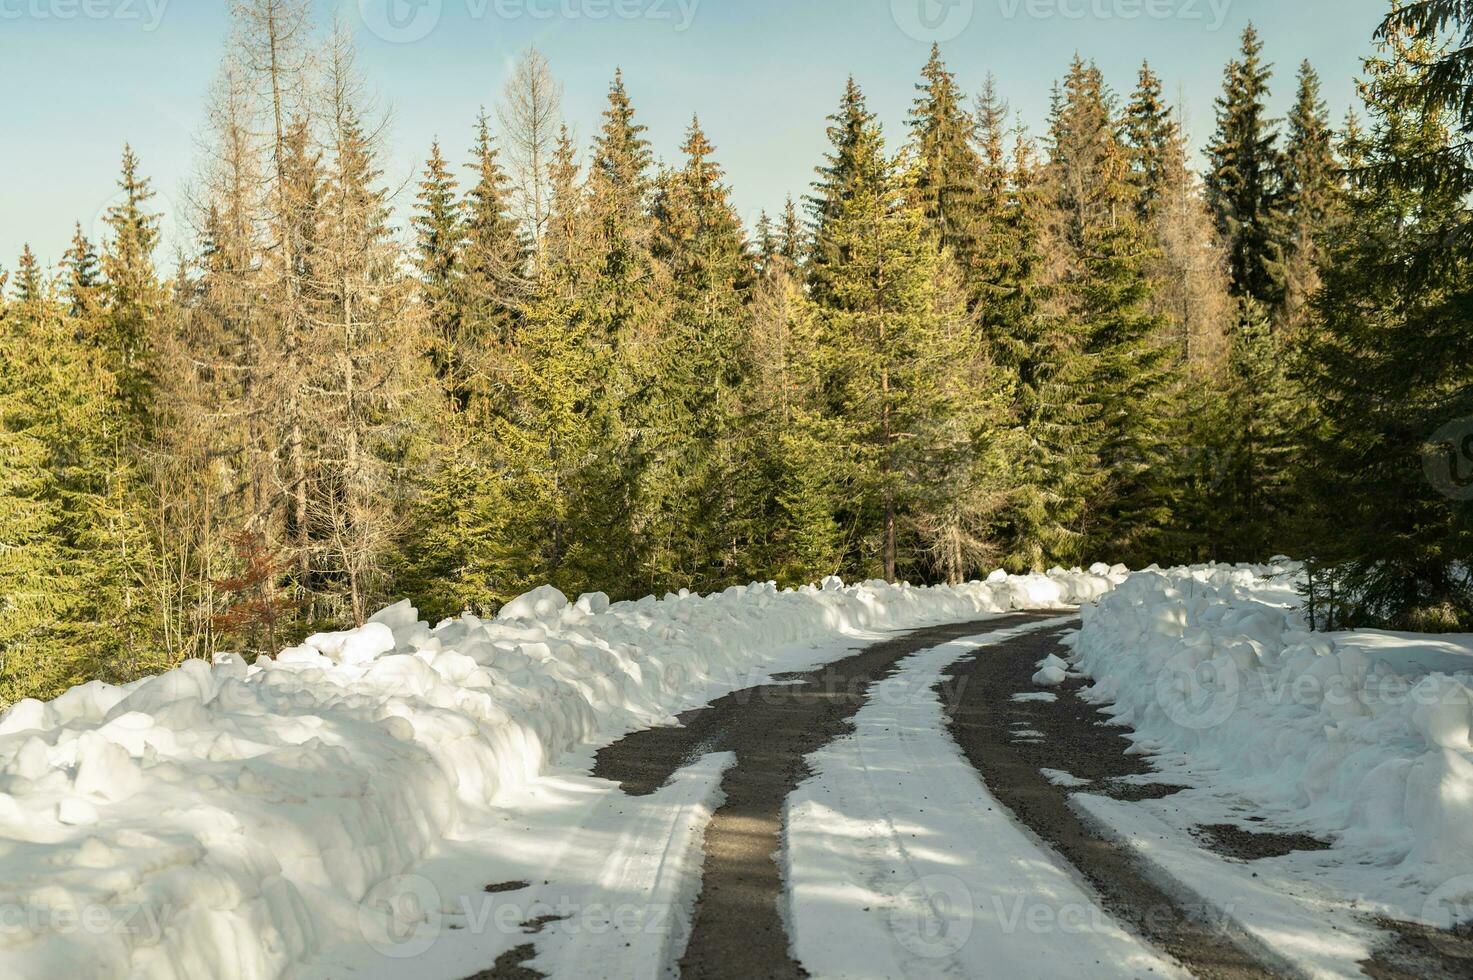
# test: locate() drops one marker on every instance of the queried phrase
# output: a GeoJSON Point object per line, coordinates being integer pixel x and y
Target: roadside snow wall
{"type": "Point", "coordinates": [1356, 735]}
{"type": "Point", "coordinates": [229, 820]}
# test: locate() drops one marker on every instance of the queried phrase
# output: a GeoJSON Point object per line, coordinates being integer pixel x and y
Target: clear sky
{"type": "Point", "coordinates": [81, 77]}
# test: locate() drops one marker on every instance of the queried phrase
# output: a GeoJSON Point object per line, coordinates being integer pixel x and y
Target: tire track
{"type": "Point", "coordinates": [738, 929]}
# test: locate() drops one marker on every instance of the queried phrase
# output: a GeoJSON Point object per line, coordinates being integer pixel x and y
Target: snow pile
{"type": "Point", "coordinates": [231, 820]}
{"type": "Point", "coordinates": [1215, 670]}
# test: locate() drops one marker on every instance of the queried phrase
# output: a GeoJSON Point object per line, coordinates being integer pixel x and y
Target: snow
{"type": "Point", "coordinates": [1067, 780]}
{"type": "Point", "coordinates": [1299, 934]}
{"type": "Point", "coordinates": [899, 862]}
{"type": "Point", "coordinates": [1052, 672]}
{"type": "Point", "coordinates": [612, 879]}
{"type": "Point", "coordinates": [236, 820]}
{"type": "Point", "coordinates": [1412, 654]}
{"type": "Point", "coordinates": [1358, 738]}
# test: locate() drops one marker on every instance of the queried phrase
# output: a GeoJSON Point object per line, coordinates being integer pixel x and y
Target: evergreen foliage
{"type": "Point", "coordinates": [961, 351]}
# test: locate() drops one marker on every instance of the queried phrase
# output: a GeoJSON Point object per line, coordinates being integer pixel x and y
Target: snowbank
{"type": "Point", "coordinates": [1363, 736]}
{"type": "Point", "coordinates": [231, 820]}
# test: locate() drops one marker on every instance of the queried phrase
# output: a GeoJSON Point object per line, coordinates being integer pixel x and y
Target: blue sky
{"type": "Point", "coordinates": [83, 76]}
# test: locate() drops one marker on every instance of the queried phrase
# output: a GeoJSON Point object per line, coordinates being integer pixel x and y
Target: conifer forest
{"type": "Point", "coordinates": [975, 341]}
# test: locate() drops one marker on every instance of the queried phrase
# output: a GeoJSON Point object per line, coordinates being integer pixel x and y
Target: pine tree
{"type": "Point", "coordinates": [619, 187]}
{"type": "Point", "coordinates": [836, 179]}
{"type": "Point", "coordinates": [1390, 474]}
{"type": "Point", "coordinates": [947, 162]}
{"type": "Point", "coordinates": [439, 247]}
{"type": "Point", "coordinates": [1311, 192]}
{"type": "Point", "coordinates": [30, 286]}
{"type": "Point", "coordinates": [898, 338]}
{"type": "Point", "coordinates": [1112, 436]}
{"type": "Point", "coordinates": [495, 255]}
{"type": "Point", "coordinates": [1154, 139]}
{"type": "Point", "coordinates": [83, 276]}
{"type": "Point", "coordinates": [134, 294]}
{"type": "Point", "coordinates": [1243, 184]}
{"type": "Point", "coordinates": [699, 522]}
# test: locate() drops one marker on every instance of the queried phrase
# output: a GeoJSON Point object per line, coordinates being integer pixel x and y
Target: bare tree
{"type": "Point", "coordinates": [531, 117]}
{"type": "Point", "coordinates": [358, 348]}
{"type": "Point", "coordinates": [273, 43]}
{"type": "Point", "coordinates": [1190, 273]}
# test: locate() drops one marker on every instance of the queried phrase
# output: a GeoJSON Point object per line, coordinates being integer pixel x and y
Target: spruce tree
{"type": "Point", "coordinates": [792, 238]}
{"type": "Point", "coordinates": [495, 254]}
{"type": "Point", "coordinates": [83, 276]}
{"type": "Point", "coordinates": [898, 339]}
{"type": "Point", "coordinates": [943, 145]}
{"type": "Point", "coordinates": [836, 178]}
{"type": "Point", "coordinates": [619, 188]}
{"type": "Point", "coordinates": [1011, 291]}
{"type": "Point", "coordinates": [74, 549]}
{"type": "Point", "coordinates": [134, 294]}
{"type": "Point", "coordinates": [1111, 438]}
{"type": "Point", "coordinates": [786, 407]}
{"type": "Point", "coordinates": [1390, 478]}
{"type": "Point", "coordinates": [42, 407]}
{"type": "Point", "coordinates": [30, 286]}
{"type": "Point", "coordinates": [1154, 140]}
{"type": "Point", "coordinates": [438, 247]}
{"type": "Point", "coordinates": [1243, 185]}
{"type": "Point", "coordinates": [700, 521]}
{"type": "Point", "coordinates": [1311, 193]}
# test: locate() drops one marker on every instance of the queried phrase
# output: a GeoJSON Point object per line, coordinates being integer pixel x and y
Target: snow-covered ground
{"type": "Point", "coordinates": [900, 863]}
{"type": "Point", "coordinates": [1361, 739]}
{"type": "Point", "coordinates": [237, 821]}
